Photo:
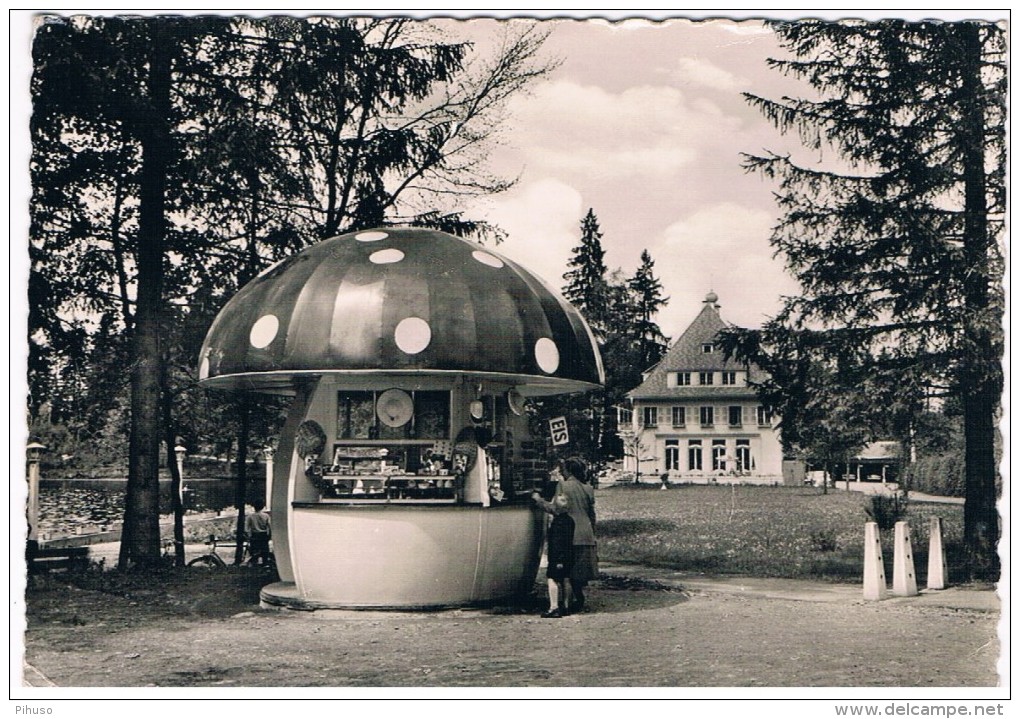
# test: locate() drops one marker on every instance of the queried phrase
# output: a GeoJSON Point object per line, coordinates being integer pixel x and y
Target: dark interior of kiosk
{"type": "Point", "coordinates": [419, 458]}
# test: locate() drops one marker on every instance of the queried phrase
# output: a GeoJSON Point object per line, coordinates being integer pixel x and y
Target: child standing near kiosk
{"type": "Point", "coordinates": [560, 553]}
{"type": "Point", "coordinates": [258, 531]}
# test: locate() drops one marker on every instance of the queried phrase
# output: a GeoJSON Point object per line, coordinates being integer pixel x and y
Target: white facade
{"type": "Point", "coordinates": [696, 416]}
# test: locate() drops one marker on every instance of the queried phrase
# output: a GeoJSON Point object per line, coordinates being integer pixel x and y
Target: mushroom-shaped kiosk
{"type": "Point", "coordinates": [405, 466]}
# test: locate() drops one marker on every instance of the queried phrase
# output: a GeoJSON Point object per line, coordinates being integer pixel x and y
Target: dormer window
{"type": "Point", "coordinates": [678, 379]}
{"type": "Point", "coordinates": [706, 348]}
{"type": "Point", "coordinates": [705, 378]}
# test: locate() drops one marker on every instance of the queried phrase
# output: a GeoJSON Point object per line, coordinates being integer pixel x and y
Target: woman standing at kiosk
{"type": "Point", "coordinates": [572, 475]}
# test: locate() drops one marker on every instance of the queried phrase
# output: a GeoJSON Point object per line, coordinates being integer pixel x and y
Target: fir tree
{"type": "Point", "coordinates": [586, 286]}
{"type": "Point", "coordinates": [897, 251]}
{"type": "Point", "coordinates": [648, 300]}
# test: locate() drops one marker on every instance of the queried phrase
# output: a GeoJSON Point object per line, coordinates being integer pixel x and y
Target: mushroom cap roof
{"type": "Point", "coordinates": [399, 301]}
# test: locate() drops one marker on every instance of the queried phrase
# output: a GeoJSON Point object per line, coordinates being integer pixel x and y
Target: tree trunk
{"type": "Point", "coordinates": [980, 517]}
{"type": "Point", "coordinates": [118, 245]}
{"type": "Point", "coordinates": [980, 375]}
{"type": "Point", "coordinates": [176, 480]}
{"type": "Point", "coordinates": [332, 215]}
{"type": "Point", "coordinates": [140, 539]}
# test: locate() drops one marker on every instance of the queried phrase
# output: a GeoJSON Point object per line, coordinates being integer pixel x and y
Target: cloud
{"type": "Point", "coordinates": [726, 225]}
{"type": "Point", "coordinates": [701, 72]}
{"type": "Point", "coordinates": [723, 247]}
{"type": "Point", "coordinates": [542, 220]}
{"type": "Point", "coordinates": [644, 131]}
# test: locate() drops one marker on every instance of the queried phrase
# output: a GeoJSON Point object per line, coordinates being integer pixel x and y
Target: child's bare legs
{"type": "Point", "coordinates": [559, 597]}
{"type": "Point", "coordinates": [554, 594]}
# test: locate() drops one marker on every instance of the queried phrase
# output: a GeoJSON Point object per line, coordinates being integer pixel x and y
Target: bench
{"type": "Point", "coordinates": [63, 558]}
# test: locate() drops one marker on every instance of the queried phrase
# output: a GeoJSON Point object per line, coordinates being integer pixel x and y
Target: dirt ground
{"type": "Point", "coordinates": [206, 629]}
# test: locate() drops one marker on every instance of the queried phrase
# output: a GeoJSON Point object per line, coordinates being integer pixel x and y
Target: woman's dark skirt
{"type": "Point", "coordinates": [586, 564]}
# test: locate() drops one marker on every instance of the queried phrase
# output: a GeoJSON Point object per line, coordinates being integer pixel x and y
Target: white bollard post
{"type": "Point", "coordinates": [937, 572]}
{"type": "Point", "coordinates": [874, 569]}
{"type": "Point", "coordinates": [904, 579]}
{"type": "Point", "coordinates": [180, 451]}
{"type": "Point", "coordinates": [34, 455]}
{"type": "Point", "coordinates": [268, 453]}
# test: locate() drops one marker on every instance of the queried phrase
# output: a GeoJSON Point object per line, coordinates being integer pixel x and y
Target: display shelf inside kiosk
{"type": "Point", "coordinates": [387, 472]}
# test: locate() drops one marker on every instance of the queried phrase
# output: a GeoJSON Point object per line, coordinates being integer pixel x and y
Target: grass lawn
{"type": "Point", "coordinates": [789, 532]}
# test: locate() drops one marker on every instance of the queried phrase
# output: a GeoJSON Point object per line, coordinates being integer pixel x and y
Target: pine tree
{"type": "Point", "coordinates": [648, 300]}
{"type": "Point", "coordinates": [587, 288]}
{"type": "Point", "coordinates": [897, 251]}
{"type": "Point", "coordinates": [619, 310]}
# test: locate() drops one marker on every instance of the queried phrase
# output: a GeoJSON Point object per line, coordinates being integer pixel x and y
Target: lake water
{"type": "Point", "coordinates": [66, 510]}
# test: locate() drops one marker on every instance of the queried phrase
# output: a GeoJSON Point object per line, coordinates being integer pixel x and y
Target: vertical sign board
{"type": "Point", "coordinates": [558, 431]}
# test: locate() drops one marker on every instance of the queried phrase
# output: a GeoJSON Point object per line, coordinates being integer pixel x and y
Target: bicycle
{"type": "Point", "coordinates": [212, 559]}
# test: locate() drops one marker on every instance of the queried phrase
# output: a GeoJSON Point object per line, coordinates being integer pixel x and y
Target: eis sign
{"type": "Point", "coordinates": [558, 431]}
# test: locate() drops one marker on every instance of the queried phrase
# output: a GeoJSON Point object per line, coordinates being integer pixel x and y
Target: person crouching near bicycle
{"type": "Point", "coordinates": [258, 531]}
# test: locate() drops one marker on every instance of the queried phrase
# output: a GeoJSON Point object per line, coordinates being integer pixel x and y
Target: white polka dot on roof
{"type": "Point", "coordinates": [386, 257]}
{"type": "Point", "coordinates": [264, 331]}
{"type": "Point", "coordinates": [371, 236]}
{"type": "Point", "coordinates": [486, 259]}
{"type": "Point", "coordinates": [412, 335]}
{"type": "Point", "coordinates": [547, 355]}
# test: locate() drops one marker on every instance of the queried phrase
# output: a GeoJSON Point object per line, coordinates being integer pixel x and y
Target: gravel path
{"type": "Point", "coordinates": [206, 629]}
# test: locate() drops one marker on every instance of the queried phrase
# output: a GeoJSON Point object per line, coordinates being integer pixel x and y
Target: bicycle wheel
{"type": "Point", "coordinates": [207, 561]}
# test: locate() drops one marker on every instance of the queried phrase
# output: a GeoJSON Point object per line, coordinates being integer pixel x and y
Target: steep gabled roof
{"type": "Point", "coordinates": [687, 355]}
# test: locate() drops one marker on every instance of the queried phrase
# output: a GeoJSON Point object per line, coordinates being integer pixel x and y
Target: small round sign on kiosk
{"type": "Point", "coordinates": [394, 407]}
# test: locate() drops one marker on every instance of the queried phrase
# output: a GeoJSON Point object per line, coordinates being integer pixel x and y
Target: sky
{"type": "Point", "coordinates": [644, 123]}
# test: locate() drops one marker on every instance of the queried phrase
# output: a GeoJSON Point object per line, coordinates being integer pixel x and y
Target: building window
{"type": "Point", "coordinates": [707, 348]}
{"type": "Point", "coordinates": [707, 416]}
{"type": "Point", "coordinates": [719, 455]}
{"type": "Point", "coordinates": [651, 416]}
{"type": "Point", "coordinates": [694, 455]}
{"type": "Point", "coordinates": [705, 377]}
{"type": "Point", "coordinates": [764, 417]}
{"type": "Point", "coordinates": [729, 378]}
{"type": "Point", "coordinates": [744, 462]}
{"type": "Point", "coordinates": [678, 379]}
{"type": "Point", "coordinates": [735, 416]}
{"type": "Point", "coordinates": [679, 416]}
{"type": "Point", "coordinates": [673, 455]}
